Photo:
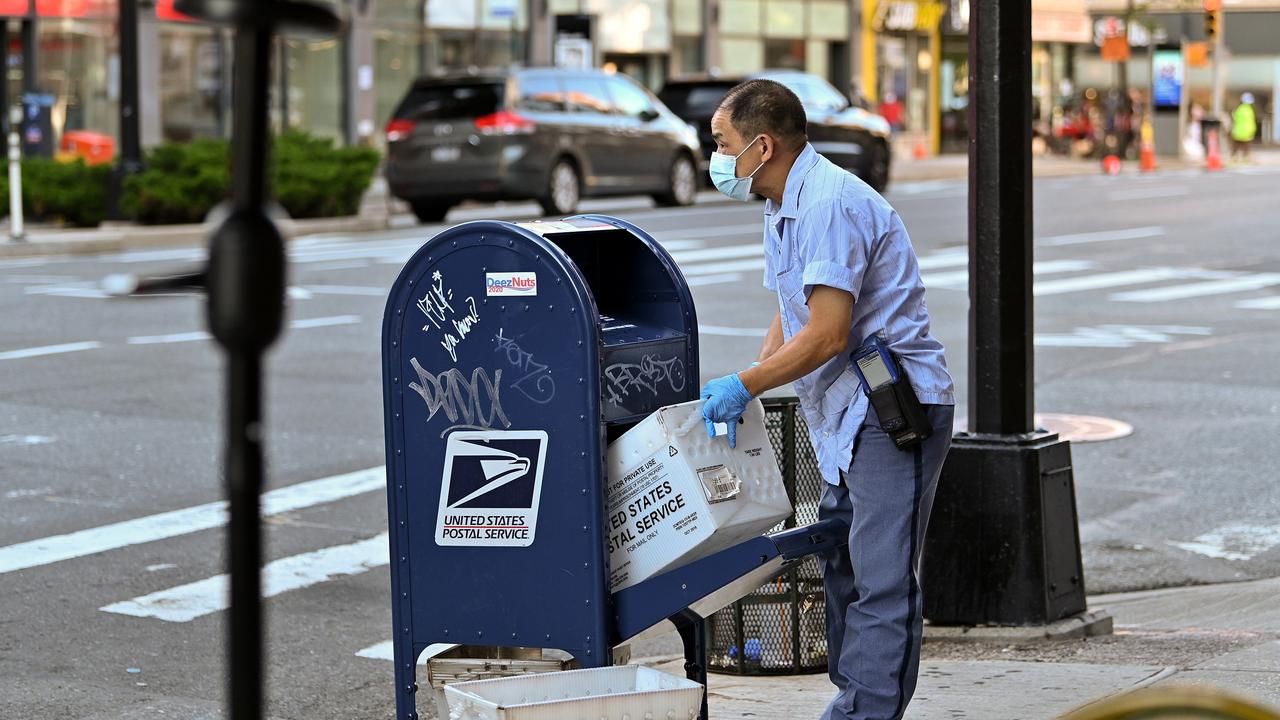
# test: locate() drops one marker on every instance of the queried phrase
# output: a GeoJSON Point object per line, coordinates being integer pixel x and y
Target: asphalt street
{"type": "Point", "coordinates": [1157, 300]}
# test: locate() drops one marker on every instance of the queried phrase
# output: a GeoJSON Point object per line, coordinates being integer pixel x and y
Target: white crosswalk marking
{"type": "Point", "coordinates": [1255, 281]}
{"type": "Point", "coordinates": [719, 253]}
{"type": "Point", "coordinates": [48, 550]}
{"type": "Point", "coordinates": [386, 651]}
{"type": "Point", "coordinates": [1266, 303]}
{"type": "Point", "coordinates": [947, 258]}
{"type": "Point", "coordinates": [49, 350]}
{"type": "Point", "coordinates": [756, 228]}
{"type": "Point", "coordinates": [1109, 280]}
{"type": "Point", "coordinates": [959, 279]}
{"type": "Point", "coordinates": [723, 267]}
{"type": "Point", "coordinates": [188, 602]}
{"type": "Point", "coordinates": [697, 280]}
{"type": "Point", "coordinates": [1102, 236]}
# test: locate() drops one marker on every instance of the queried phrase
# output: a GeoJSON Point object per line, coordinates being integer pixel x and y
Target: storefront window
{"type": "Point", "coordinates": [314, 80]}
{"type": "Point", "coordinates": [194, 61]}
{"type": "Point", "coordinates": [395, 65]}
{"type": "Point", "coordinates": [75, 62]}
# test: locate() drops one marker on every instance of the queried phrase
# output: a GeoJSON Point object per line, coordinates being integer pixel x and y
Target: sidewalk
{"type": "Point", "coordinates": [1227, 636]}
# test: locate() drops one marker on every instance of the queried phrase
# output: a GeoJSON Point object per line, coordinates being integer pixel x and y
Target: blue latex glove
{"type": "Point", "coordinates": [726, 400]}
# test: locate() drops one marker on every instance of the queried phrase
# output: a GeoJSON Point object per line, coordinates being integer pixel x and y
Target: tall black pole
{"type": "Point", "coordinates": [1001, 313]}
{"type": "Point", "coordinates": [246, 311]}
{"type": "Point", "coordinates": [1003, 546]}
{"type": "Point", "coordinates": [245, 284]}
{"type": "Point", "coordinates": [130, 136]}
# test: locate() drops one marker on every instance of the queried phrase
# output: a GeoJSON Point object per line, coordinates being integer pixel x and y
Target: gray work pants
{"type": "Point", "coordinates": [874, 622]}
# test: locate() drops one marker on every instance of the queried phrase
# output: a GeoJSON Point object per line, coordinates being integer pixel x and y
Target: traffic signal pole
{"type": "Point", "coordinates": [1003, 543]}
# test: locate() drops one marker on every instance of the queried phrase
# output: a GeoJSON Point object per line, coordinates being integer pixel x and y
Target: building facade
{"type": "Point", "coordinates": [906, 57]}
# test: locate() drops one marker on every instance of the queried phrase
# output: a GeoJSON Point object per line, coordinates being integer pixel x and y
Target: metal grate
{"type": "Point", "coordinates": [781, 628]}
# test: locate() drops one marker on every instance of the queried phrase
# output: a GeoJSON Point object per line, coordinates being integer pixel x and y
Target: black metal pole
{"type": "Point", "coordinates": [1001, 358]}
{"type": "Point", "coordinates": [130, 136]}
{"type": "Point", "coordinates": [1003, 545]}
{"type": "Point", "coordinates": [246, 310]}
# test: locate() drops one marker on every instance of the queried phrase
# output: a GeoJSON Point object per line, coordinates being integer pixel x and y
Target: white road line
{"type": "Point", "coordinates": [1108, 280]}
{"type": "Point", "coordinates": [1148, 193]}
{"type": "Point", "coordinates": [49, 350]}
{"type": "Point", "coordinates": [57, 548]}
{"type": "Point", "coordinates": [347, 290]}
{"type": "Point", "coordinates": [1201, 289]}
{"type": "Point", "coordinates": [171, 338]}
{"type": "Point", "coordinates": [325, 322]}
{"type": "Point", "coordinates": [1233, 542]}
{"type": "Point", "coordinates": [723, 267]}
{"type": "Point", "coordinates": [135, 256]}
{"type": "Point", "coordinates": [720, 253]}
{"type": "Point", "coordinates": [66, 291]}
{"type": "Point", "coordinates": [713, 279]}
{"type": "Point", "coordinates": [198, 335]}
{"type": "Point", "coordinates": [755, 228]}
{"type": "Point", "coordinates": [24, 262]}
{"type": "Point", "coordinates": [947, 258]}
{"type": "Point", "coordinates": [959, 279]}
{"type": "Point", "coordinates": [1102, 236]}
{"type": "Point", "coordinates": [1266, 303]}
{"type": "Point", "coordinates": [185, 603]}
{"type": "Point", "coordinates": [731, 331]}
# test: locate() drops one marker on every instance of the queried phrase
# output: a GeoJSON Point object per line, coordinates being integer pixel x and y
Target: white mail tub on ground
{"type": "Point", "coordinates": [610, 693]}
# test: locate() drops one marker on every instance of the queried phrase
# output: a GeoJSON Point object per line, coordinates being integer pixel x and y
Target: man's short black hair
{"type": "Point", "coordinates": [758, 107]}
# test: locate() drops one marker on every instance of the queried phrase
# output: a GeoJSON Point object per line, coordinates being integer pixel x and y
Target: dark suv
{"type": "Point", "coordinates": [850, 137]}
{"type": "Point", "coordinates": [547, 134]}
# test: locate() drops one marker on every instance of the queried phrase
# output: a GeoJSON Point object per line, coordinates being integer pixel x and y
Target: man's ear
{"type": "Point", "coordinates": [768, 147]}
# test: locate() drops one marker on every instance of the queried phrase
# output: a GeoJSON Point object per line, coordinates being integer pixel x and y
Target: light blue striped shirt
{"type": "Point", "coordinates": [833, 229]}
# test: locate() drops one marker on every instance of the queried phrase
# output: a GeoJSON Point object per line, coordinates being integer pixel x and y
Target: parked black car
{"type": "Point", "coordinates": [547, 134]}
{"type": "Point", "coordinates": [850, 137]}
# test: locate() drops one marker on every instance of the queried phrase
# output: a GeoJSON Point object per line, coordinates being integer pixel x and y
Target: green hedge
{"type": "Point", "coordinates": [310, 178]}
{"type": "Point", "coordinates": [70, 193]}
{"type": "Point", "coordinates": [184, 181]}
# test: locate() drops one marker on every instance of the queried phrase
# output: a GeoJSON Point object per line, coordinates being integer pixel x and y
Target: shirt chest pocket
{"type": "Point", "coordinates": [791, 300]}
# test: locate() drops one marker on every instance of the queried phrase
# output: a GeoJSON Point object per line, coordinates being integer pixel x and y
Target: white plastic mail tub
{"type": "Point", "coordinates": [611, 693]}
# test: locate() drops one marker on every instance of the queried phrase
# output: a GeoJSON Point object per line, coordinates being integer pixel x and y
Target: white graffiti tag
{"type": "Point", "coordinates": [537, 384]}
{"type": "Point", "coordinates": [439, 310]}
{"type": "Point", "coordinates": [646, 376]}
{"type": "Point", "coordinates": [473, 402]}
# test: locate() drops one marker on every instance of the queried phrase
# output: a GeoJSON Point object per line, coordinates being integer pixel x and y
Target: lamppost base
{"type": "Point", "coordinates": [1003, 546]}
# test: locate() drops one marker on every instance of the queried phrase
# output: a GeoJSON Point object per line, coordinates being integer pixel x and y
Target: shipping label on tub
{"type": "Point", "coordinates": [511, 284]}
{"type": "Point", "coordinates": [646, 504]}
{"type": "Point", "coordinates": [490, 488]}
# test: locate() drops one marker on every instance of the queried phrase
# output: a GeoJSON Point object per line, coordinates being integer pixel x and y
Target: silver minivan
{"type": "Point", "coordinates": [546, 134]}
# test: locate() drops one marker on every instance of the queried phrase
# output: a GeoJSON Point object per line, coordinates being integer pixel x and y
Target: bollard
{"type": "Point", "coordinates": [16, 232]}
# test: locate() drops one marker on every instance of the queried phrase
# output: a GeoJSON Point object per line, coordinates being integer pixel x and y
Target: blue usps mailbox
{"type": "Point", "coordinates": [512, 354]}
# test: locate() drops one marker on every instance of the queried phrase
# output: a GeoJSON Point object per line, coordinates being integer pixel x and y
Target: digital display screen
{"type": "Point", "coordinates": [874, 370]}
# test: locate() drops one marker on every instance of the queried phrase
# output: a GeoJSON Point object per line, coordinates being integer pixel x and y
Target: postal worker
{"type": "Point", "coordinates": [848, 284]}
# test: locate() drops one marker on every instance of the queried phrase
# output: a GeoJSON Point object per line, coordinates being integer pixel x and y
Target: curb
{"type": "Point", "coordinates": [118, 238]}
{"type": "Point", "coordinates": [1087, 624]}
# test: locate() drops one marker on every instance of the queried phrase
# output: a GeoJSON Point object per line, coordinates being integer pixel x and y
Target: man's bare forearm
{"type": "Point", "coordinates": [772, 339]}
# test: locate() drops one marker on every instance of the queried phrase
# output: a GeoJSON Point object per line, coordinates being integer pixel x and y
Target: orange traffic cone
{"type": "Point", "coordinates": [1111, 165]}
{"type": "Point", "coordinates": [1147, 160]}
{"type": "Point", "coordinates": [920, 152]}
{"type": "Point", "coordinates": [1213, 161]}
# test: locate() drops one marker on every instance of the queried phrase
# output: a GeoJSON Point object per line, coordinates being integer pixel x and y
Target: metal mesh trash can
{"type": "Point", "coordinates": [781, 628]}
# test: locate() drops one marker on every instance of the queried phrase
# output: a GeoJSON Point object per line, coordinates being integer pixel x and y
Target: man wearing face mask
{"type": "Point", "coordinates": [848, 287]}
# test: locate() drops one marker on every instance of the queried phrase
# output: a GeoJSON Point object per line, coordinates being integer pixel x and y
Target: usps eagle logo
{"type": "Point", "coordinates": [490, 487]}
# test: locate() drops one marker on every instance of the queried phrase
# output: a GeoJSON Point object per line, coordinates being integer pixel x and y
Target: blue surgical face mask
{"type": "Point", "coordinates": [724, 174]}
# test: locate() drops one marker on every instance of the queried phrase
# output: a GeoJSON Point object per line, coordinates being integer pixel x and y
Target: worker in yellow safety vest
{"type": "Point", "coordinates": [1244, 126]}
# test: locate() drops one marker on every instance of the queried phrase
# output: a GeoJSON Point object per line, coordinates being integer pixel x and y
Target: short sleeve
{"type": "Point", "coordinates": [835, 248]}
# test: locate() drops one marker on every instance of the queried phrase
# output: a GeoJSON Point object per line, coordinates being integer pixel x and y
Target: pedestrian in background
{"type": "Point", "coordinates": [1244, 127]}
{"type": "Point", "coordinates": [844, 270]}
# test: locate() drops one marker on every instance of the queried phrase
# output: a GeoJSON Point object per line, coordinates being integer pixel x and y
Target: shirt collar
{"type": "Point", "coordinates": [790, 206]}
